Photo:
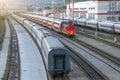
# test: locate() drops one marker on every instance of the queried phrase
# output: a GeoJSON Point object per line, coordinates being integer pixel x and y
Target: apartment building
{"type": "Point", "coordinates": [95, 9]}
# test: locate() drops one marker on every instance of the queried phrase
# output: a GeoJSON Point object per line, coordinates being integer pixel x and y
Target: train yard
{"type": "Point", "coordinates": [95, 52]}
{"type": "Point", "coordinates": [78, 51]}
{"type": "Point", "coordinates": [89, 60]}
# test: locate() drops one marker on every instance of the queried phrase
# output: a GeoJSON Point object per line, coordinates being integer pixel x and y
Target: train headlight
{"type": "Point", "coordinates": [71, 32]}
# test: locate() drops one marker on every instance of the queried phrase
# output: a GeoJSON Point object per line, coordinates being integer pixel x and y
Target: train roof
{"type": "Point", "coordinates": [53, 46]}
{"type": "Point", "coordinates": [92, 20]}
{"type": "Point", "coordinates": [53, 43]}
{"type": "Point", "coordinates": [107, 22]}
{"type": "Point", "coordinates": [43, 33]}
{"type": "Point", "coordinates": [21, 18]}
{"type": "Point", "coordinates": [28, 22]}
{"type": "Point", "coordinates": [38, 27]}
{"type": "Point", "coordinates": [35, 16]}
{"type": "Point", "coordinates": [58, 21]}
{"type": "Point", "coordinates": [50, 19]}
{"type": "Point", "coordinates": [117, 24]}
{"type": "Point", "coordinates": [66, 20]}
{"type": "Point", "coordinates": [82, 19]}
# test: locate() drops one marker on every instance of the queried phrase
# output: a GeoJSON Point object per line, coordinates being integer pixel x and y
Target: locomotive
{"type": "Point", "coordinates": [63, 26]}
{"type": "Point", "coordinates": [56, 57]}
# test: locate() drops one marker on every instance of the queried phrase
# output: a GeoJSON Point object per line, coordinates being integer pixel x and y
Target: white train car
{"type": "Point", "coordinates": [117, 27]}
{"type": "Point", "coordinates": [92, 23]}
{"type": "Point", "coordinates": [106, 26]}
{"type": "Point", "coordinates": [57, 25]}
{"type": "Point", "coordinates": [50, 22]}
{"type": "Point", "coordinates": [29, 25]}
{"type": "Point", "coordinates": [81, 21]}
{"type": "Point", "coordinates": [36, 18]}
{"type": "Point", "coordinates": [34, 31]}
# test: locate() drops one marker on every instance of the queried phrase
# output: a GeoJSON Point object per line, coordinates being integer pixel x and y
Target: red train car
{"type": "Point", "coordinates": [65, 26]}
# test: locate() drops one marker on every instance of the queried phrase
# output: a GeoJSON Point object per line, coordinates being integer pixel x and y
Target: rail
{"type": "Point", "coordinates": [14, 68]}
{"type": "Point", "coordinates": [105, 55]}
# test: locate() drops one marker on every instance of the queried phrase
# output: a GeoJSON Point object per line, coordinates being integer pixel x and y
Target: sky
{"type": "Point", "coordinates": [25, 3]}
{"type": "Point", "coordinates": [22, 3]}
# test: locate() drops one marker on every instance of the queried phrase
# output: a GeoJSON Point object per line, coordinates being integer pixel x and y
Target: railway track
{"type": "Point", "coordinates": [59, 77]}
{"type": "Point", "coordinates": [100, 52]}
{"type": "Point", "coordinates": [91, 72]}
{"type": "Point", "coordinates": [103, 37]}
{"type": "Point", "coordinates": [2, 31]}
{"type": "Point", "coordinates": [14, 68]}
{"type": "Point", "coordinates": [105, 55]}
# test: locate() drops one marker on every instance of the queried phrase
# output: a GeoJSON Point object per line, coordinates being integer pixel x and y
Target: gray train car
{"type": "Point", "coordinates": [55, 55]}
{"type": "Point", "coordinates": [58, 57]}
{"type": "Point", "coordinates": [117, 27]}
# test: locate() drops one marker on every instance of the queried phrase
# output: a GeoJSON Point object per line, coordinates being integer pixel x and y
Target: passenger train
{"type": "Point", "coordinates": [56, 57]}
{"type": "Point", "coordinates": [109, 26]}
{"type": "Point", "coordinates": [62, 26]}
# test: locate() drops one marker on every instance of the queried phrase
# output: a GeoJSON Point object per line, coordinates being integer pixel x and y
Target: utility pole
{"type": "Point", "coordinates": [72, 10]}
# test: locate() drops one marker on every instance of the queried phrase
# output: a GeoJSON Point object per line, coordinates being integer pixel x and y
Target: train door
{"type": "Point", "coordinates": [59, 62]}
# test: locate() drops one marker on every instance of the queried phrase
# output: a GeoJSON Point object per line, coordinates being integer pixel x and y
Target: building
{"type": "Point", "coordinates": [114, 10]}
{"type": "Point", "coordinates": [95, 9]}
{"type": "Point", "coordinates": [69, 1]}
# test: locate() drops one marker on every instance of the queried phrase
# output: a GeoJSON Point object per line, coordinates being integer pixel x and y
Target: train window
{"type": "Point", "coordinates": [56, 23]}
{"type": "Point", "coordinates": [117, 28]}
{"type": "Point", "coordinates": [67, 23]}
{"type": "Point", "coordinates": [92, 23]}
{"type": "Point", "coordinates": [49, 22]}
{"type": "Point", "coordinates": [105, 26]}
{"type": "Point", "coordinates": [80, 22]}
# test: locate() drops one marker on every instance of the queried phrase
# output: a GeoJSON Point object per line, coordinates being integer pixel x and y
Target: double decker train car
{"type": "Point", "coordinates": [81, 21]}
{"type": "Point", "coordinates": [62, 26]}
{"type": "Point", "coordinates": [117, 27]}
{"type": "Point", "coordinates": [108, 26]}
{"type": "Point", "coordinates": [91, 23]}
{"type": "Point", "coordinates": [56, 57]}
